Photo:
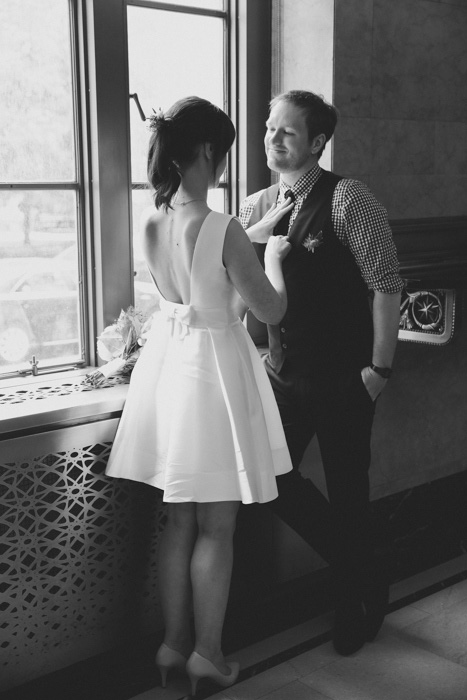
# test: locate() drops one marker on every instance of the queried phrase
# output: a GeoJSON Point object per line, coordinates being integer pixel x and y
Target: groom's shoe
{"type": "Point", "coordinates": [375, 601]}
{"type": "Point", "coordinates": [349, 633]}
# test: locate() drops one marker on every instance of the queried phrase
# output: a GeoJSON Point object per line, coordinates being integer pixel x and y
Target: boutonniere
{"type": "Point", "coordinates": [312, 242]}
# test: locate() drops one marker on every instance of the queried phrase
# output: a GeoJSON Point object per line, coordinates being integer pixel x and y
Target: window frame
{"type": "Point", "coordinates": [77, 186]}
{"type": "Point", "coordinates": [99, 38]}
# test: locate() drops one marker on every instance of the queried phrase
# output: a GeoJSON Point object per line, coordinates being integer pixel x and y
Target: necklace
{"type": "Point", "coordinates": [198, 199]}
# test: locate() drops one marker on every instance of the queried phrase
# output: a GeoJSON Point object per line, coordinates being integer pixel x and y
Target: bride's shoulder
{"type": "Point", "coordinates": [150, 216]}
{"type": "Point", "coordinates": [151, 221]}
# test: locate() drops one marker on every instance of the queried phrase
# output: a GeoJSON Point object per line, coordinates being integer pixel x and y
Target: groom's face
{"type": "Point", "coordinates": [287, 145]}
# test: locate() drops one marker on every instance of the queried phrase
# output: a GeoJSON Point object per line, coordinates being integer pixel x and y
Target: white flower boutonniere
{"type": "Point", "coordinates": [312, 242]}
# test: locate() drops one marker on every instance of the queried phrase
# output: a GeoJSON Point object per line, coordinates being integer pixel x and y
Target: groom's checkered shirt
{"type": "Point", "coordinates": [360, 223]}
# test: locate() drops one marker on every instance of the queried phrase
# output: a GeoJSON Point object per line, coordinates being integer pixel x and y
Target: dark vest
{"type": "Point", "coordinates": [328, 325]}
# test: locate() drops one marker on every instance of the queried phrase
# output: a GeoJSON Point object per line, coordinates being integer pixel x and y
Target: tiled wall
{"type": "Point", "coordinates": [396, 71]}
{"type": "Point", "coordinates": [399, 83]}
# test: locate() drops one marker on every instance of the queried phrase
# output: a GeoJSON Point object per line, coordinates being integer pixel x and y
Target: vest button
{"type": "Point", "coordinates": [282, 330]}
{"type": "Point", "coordinates": [284, 345]}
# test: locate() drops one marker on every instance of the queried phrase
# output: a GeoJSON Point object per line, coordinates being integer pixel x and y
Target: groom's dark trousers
{"type": "Point", "coordinates": [341, 417]}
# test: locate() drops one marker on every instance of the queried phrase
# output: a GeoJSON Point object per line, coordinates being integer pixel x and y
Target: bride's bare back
{"type": "Point", "coordinates": [169, 240]}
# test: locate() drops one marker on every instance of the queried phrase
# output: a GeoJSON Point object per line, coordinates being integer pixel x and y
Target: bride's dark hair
{"type": "Point", "coordinates": [176, 135]}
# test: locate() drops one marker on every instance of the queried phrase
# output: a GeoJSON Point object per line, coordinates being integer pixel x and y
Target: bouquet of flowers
{"type": "Point", "coordinates": [120, 346]}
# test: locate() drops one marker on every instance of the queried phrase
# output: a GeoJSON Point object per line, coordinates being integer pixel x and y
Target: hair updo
{"type": "Point", "coordinates": [176, 135]}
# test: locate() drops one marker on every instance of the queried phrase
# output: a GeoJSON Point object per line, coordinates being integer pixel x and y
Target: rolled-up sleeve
{"type": "Point", "coordinates": [361, 222]}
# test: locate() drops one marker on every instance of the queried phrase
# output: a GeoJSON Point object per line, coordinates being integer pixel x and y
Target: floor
{"type": "Point", "coordinates": [420, 653]}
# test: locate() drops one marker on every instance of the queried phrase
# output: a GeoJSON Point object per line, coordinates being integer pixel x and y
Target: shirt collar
{"type": "Point", "coordinates": [303, 185]}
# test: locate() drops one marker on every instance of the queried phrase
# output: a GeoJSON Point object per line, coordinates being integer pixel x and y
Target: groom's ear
{"type": "Point", "coordinates": [317, 143]}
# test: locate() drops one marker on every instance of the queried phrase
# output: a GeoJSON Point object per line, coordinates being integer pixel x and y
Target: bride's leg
{"type": "Point", "coordinates": [175, 552]}
{"type": "Point", "coordinates": [211, 570]}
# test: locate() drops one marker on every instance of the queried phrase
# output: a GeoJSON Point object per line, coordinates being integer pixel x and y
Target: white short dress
{"type": "Point", "coordinates": [200, 420]}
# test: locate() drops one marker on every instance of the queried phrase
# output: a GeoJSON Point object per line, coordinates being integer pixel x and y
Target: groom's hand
{"type": "Point", "coordinates": [373, 382]}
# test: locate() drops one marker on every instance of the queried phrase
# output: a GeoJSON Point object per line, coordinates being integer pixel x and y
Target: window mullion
{"type": "Point", "coordinates": [111, 208]}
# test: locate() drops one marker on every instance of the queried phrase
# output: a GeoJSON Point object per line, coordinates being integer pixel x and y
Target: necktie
{"type": "Point", "coordinates": [282, 228]}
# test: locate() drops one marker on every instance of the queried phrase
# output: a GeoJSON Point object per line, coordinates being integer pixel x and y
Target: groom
{"type": "Point", "coordinates": [331, 355]}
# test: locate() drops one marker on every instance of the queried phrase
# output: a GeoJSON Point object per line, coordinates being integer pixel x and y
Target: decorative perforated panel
{"type": "Point", "coordinates": [77, 553]}
{"type": "Point", "coordinates": [49, 389]}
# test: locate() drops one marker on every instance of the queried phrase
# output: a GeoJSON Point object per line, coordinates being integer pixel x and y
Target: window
{"type": "Point", "coordinates": [165, 64]}
{"type": "Point", "coordinates": [41, 310]}
{"type": "Point", "coordinates": [70, 198]}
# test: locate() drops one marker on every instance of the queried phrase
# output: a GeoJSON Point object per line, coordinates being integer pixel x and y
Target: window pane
{"type": "Point", "coordinates": [39, 279]}
{"type": "Point", "coordinates": [166, 64]}
{"type": "Point", "coordinates": [36, 116]}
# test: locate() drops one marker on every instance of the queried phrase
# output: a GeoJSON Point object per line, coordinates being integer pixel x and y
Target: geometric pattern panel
{"type": "Point", "coordinates": [47, 389]}
{"type": "Point", "coordinates": [77, 558]}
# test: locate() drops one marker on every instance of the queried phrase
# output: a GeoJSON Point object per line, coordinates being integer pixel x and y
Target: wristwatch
{"type": "Point", "coordinates": [384, 372]}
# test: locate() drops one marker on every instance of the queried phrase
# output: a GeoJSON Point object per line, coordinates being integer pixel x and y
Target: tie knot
{"type": "Point", "coordinates": [289, 195]}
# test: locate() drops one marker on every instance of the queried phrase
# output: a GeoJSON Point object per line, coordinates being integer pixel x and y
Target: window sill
{"type": "Point", "coordinates": [33, 405]}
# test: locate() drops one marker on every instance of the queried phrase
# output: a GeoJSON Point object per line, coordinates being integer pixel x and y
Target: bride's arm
{"type": "Point", "coordinates": [262, 291]}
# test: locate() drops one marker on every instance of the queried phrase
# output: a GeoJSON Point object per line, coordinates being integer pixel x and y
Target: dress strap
{"type": "Point", "coordinates": [207, 265]}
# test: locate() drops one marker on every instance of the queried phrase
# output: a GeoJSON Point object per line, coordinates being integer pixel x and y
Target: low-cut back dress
{"type": "Point", "coordinates": [200, 421]}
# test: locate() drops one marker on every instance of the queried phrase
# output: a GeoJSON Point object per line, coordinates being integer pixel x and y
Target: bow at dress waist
{"type": "Point", "coordinates": [186, 315]}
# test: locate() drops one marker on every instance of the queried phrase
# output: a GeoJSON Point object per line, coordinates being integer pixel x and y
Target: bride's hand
{"type": "Point", "coordinates": [262, 231]}
{"type": "Point", "coordinates": [278, 247]}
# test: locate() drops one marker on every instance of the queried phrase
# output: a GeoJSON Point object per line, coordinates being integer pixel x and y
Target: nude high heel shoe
{"type": "Point", "coordinates": [167, 658]}
{"type": "Point", "coordinates": [199, 667]}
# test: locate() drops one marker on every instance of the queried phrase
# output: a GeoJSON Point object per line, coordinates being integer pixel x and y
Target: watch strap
{"type": "Point", "coordinates": [384, 372]}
